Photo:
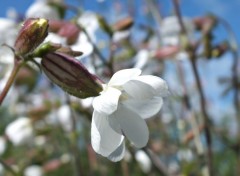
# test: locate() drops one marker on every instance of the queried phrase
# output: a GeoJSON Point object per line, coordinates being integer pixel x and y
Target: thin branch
{"type": "Point", "coordinates": [74, 142]}
{"type": "Point", "coordinates": [234, 49]}
{"type": "Point", "coordinates": [155, 14]}
{"type": "Point", "coordinates": [8, 168]}
{"type": "Point", "coordinates": [200, 90]}
{"type": "Point", "coordinates": [16, 68]}
{"type": "Point", "coordinates": [158, 164]}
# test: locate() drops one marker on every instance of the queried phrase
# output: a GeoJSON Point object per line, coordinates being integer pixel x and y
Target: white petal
{"type": "Point", "coordinates": [139, 90]}
{"type": "Point", "coordinates": [104, 139]}
{"type": "Point", "coordinates": [146, 87]}
{"type": "Point", "coordinates": [158, 84]}
{"type": "Point", "coordinates": [132, 125]}
{"type": "Point", "coordinates": [145, 108]}
{"type": "Point", "coordinates": [123, 76]}
{"type": "Point", "coordinates": [118, 154]}
{"type": "Point", "coordinates": [107, 102]}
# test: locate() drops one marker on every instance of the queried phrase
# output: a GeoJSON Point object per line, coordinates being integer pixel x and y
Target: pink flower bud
{"type": "Point", "coordinates": [168, 51]}
{"type": "Point", "coordinates": [70, 75]}
{"type": "Point", "coordinates": [70, 31]}
{"type": "Point", "coordinates": [31, 35]}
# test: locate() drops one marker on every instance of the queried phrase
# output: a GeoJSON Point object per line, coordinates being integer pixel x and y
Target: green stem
{"type": "Point", "coordinates": [74, 143]}
{"type": "Point", "coordinates": [205, 117]}
{"type": "Point", "coordinates": [11, 79]}
{"type": "Point", "coordinates": [8, 168]}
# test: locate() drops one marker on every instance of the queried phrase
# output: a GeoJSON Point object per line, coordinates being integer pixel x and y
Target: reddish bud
{"type": "Point", "coordinates": [205, 24]}
{"type": "Point", "coordinates": [70, 31]}
{"type": "Point", "coordinates": [31, 35]}
{"type": "Point", "coordinates": [165, 52]}
{"type": "Point", "coordinates": [69, 51]}
{"type": "Point", "coordinates": [123, 24]}
{"type": "Point", "coordinates": [220, 49]}
{"type": "Point", "coordinates": [70, 75]}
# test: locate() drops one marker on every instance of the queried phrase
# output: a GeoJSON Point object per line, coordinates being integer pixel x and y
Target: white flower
{"type": "Point", "coordinates": [185, 155]}
{"type": "Point", "coordinates": [83, 44]}
{"type": "Point", "coordinates": [170, 30]}
{"type": "Point", "coordinates": [41, 9]}
{"type": "Point", "coordinates": [143, 161]}
{"type": "Point", "coordinates": [20, 131]}
{"type": "Point", "coordinates": [120, 111]}
{"type": "Point", "coordinates": [120, 35]}
{"type": "Point", "coordinates": [33, 170]}
{"type": "Point", "coordinates": [90, 22]}
{"type": "Point", "coordinates": [8, 30]}
{"type": "Point", "coordinates": [62, 117]}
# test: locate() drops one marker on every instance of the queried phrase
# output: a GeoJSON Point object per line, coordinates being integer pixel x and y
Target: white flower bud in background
{"type": "Point", "coordinates": [83, 44]}
{"type": "Point", "coordinates": [173, 168]}
{"type": "Point", "coordinates": [120, 35]}
{"type": "Point", "coordinates": [127, 157]}
{"type": "Point", "coordinates": [185, 155]}
{"type": "Point", "coordinates": [9, 29]}
{"type": "Point", "coordinates": [33, 170]}
{"type": "Point", "coordinates": [3, 145]}
{"type": "Point", "coordinates": [64, 117]}
{"type": "Point", "coordinates": [87, 102]}
{"type": "Point", "coordinates": [1, 170]}
{"type": "Point", "coordinates": [20, 131]}
{"type": "Point", "coordinates": [143, 161]}
{"type": "Point", "coordinates": [40, 141]}
{"type": "Point", "coordinates": [170, 30]}
{"type": "Point", "coordinates": [90, 22]}
{"type": "Point", "coordinates": [65, 158]}
{"type": "Point", "coordinates": [166, 118]}
{"type": "Point", "coordinates": [41, 9]}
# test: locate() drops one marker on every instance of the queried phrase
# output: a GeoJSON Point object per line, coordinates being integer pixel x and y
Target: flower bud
{"type": "Point", "coordinates": [165, 52]}
{"type": "Point", "coordinates": [104, 25]}
{"type": "Point", "coordinates": [70, 75]}
{"type": "Point", "coordinates": [123, 24]}
{"type": "Point", "coordinates": [32, 34]}
{"type": "Point", "coordinates": [70, 31]}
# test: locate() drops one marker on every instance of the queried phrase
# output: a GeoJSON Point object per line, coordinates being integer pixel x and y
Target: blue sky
{"type": "Point", "coordinates": [227, 9]}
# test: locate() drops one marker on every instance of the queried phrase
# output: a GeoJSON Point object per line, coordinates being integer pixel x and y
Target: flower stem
{"type": "Point", "coordinates": [74, 142]}
{"type": "Point", "coordinates": [8, 168]}
{"type": "Point", "coordinates": [200, 90]}
{"type": "Point", "coordinates": [157, 163]}
{"type": "Point", "coordinates": [205, 117]}
{"type": "Point", "coordinates": [235, 82]}
{"type": "Point", "coordinates": [16, 68]}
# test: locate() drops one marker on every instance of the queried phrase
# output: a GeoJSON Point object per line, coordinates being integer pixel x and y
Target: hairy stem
{"type": "Point", "coordinates": [11, 79]}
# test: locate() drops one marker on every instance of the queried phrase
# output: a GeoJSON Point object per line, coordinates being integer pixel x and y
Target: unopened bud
{"type": "Point", "coordinates": [31, 35]}
{"type": "Point", "coordinates": [205, 24]}
{"type": "Point", "coordinates": [123, 24]}
{"type": "Point", "coordinates": [70, 31]}
{"type": "Point", "coordinates": [165, 52]}
{"type": "Point", "coordinates": [71, 75]}
{"type": "Point", "coordinates": [104, 25]}
{"type": "Point", "coordinates": [69, 51]}
{"type": "Point", "coordinates": [45, 48]}
{"type": "Point", "coordinates": [220, 49]}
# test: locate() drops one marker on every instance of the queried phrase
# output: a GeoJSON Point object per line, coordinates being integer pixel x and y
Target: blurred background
{"type": "Point", "coordinates": [44, 131]}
